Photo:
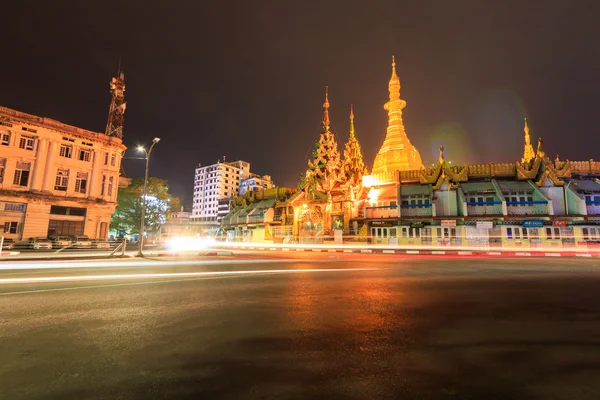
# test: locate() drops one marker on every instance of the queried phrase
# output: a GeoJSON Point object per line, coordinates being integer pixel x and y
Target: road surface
{"type": "Point", "coordinates": [304, 326]}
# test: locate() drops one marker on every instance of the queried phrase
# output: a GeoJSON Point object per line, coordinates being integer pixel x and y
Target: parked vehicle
{"type": "Point", "coordinates": [39, 243]}
{"type": "Point", "coordinates": [8, 243]}
{"type": "Point", "coordinates": [61, 241]}
{"type": "Point", "coordinates": [81, 241]}
{"type": "Point", "coordinates": [101, 244]}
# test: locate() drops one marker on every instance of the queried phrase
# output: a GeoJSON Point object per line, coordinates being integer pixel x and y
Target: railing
{"type": "Point", "coordinates": [592, 209]}
{"type": "Point", "coordinates": [382, 212]}
{"type": "Point", "coordinates": [256, 219]}
{"type": "Point", "coordinates": [537, 207]}
{"type": "Point", "coordinates": [416, 210]}
{"type": "Point", "coordinates": [484, 208]}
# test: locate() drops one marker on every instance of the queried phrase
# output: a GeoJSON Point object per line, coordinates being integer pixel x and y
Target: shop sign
{"type": "Point", "coordinates": [485, 224]}
{"type": "Point", "coordinates": [533, 223]}
{"type": "Point", "coordinates": [448, 222]}
{"type": "Point", "coordinates": [559, 222]}
{"type": "Point", "coordinates": [381, 223]}
{"type": "Point", "coordinates": [416, 225]}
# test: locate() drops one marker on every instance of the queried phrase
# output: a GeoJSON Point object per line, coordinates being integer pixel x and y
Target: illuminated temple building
{"type": "Point", "coordinates": [533, 202]}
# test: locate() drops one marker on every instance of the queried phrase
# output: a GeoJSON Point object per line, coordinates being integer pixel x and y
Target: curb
{"type": "Point", "coordinates": [426, 252]}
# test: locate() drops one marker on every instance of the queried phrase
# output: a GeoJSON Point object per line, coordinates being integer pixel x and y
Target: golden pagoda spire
{"type": "Point", "coordinates": [326, 112]}
{"type": "Point", "coordinates": [351, 121]}
{"type": "Point", "coordinates": [396, 153]}
{"type": "Point", "coordinates": [528, 153]}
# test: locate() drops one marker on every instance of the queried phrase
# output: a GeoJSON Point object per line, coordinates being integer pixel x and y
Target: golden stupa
{"type": "Point", "coordinates": [396, 153]}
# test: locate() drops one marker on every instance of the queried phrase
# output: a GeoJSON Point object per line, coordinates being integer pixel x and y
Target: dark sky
{"type": "Point", "coordinates": [246, 79]}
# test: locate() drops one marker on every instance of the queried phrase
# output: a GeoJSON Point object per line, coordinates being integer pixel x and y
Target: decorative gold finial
{"type": "Point", "coordinates": [528, 153]}
{"type": "Point", "coordinates": [326, 112]}
{"type": "Point", "coordinates": [351, 121]}
{"type": "Point", "coordinates": [441, 157]}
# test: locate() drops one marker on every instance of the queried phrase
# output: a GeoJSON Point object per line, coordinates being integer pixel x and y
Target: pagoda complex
{"type": "Point", "coordinates": [533, 203]}
{"type": "Point", "coordinates": [396, 153]}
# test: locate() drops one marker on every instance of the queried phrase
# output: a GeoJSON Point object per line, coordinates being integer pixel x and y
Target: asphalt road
{"type": "Point", "coordinates": [309, 326]}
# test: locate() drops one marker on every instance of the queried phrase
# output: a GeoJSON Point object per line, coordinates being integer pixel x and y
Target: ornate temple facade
{"type": "Point", "coordinates": [534, 202]}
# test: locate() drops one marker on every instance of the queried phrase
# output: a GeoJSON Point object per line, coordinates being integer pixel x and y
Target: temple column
{"type": "Point", "coordinates": [40, 165]}
{"type": "Point", "coordinates": [96, 175]}
{"type": "Point", "coordinates": [50, 170]}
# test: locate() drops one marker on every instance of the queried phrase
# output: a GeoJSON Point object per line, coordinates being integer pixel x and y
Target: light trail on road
{"type": "Point", "coordinates": [172, 275]}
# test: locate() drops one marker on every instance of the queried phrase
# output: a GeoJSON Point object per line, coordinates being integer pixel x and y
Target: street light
{"type": "Point", "coordinates": [142, 227]}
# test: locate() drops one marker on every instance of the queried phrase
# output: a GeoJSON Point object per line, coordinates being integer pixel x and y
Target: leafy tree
{"type": "Point", "coordinates": [128, 215]}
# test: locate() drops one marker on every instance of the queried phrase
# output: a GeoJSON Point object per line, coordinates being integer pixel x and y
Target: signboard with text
{"type": "Point", "coordinates": [485, 224]}
{"type": "Point", "coordinates": [448, 222]}
{"type": "Point", "coordinates": [533, 223]}
{"type": "Point", "coordinates": [559, 222]}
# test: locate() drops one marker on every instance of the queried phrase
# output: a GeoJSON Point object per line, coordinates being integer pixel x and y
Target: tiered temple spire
{"type": "Point", "coordinates": [353, 164]}
{"type": "Point", "coordinates": [528, 153]}
{"type": "Point", "coordinates": [324, 171]}
{"type": "Point", "coordinates": [396, 153]}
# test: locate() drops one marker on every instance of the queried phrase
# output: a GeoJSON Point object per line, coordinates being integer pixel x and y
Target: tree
{"type": "Point", "coordinates": [159, 204]}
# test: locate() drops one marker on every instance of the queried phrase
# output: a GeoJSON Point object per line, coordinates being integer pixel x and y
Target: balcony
{"type": "Point", "coordinates": [537, 207]}
{"type": "Point", "coordinates": [592, 207]}
{"type": "Point", "coordinates": [484, 208]}
{"type": "Point", "coordinates": [256, 218]}
{"type": "Point", "coordinates": [416, 210]}
{"type": "Point", "coordinates": [382, 212]}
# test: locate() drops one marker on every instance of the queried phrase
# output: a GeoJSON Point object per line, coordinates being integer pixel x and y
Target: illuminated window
{"type": "Point", "coordinates": [62, 180]}
{"type": "Point", "coordinates": [27, 142]}
{"type": "Point", "coordinates": [85, 155]}
{"type": "Point", "coordinates": [11, 227]}
{"type": "Point", "coordinates": [81, 182]}
{"type": "Point", "coordinates": [110, 186]}
{"type": "Point", "coordinates": [21, 177]}
{"type": "Point", "coordinates": [66, 151]}
{"type": "Point", "coordinates": [2, 167]}
{"type": "Point", "coordinates": [5, 138]}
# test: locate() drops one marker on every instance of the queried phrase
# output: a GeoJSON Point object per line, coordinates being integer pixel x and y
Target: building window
{"type": "Point", "coordinates": [2, 167]}
{"type": "Point", "coordinates": [20, 207]}
{"type": "Point", "coordinates": [81, 182]}
{"type": "Point", "coordinates": [113, 160]}
{"type": "Point", "coordinates": [553, 233]}
{"type": "Point", "coordinates": [85, 155]}
{"type": "Point", "coordinates": [21, 177]}
{"type": "Point", "coordinates": [11, 227]}
{"type": "Point", "coordinates": [105, 158]}
{"type": "Point", "coordinates": [66, 150]}
{"type": "Point", "coordinates": [110, 186]}
{"type": "Point", "coordinates": [62, 179]}
{"type": "Point", "coordinates": [27, 142]}
{"type": "Point", "coordinates": [5, 138]}
{"type": "Point", "coordinates": [102, 189]}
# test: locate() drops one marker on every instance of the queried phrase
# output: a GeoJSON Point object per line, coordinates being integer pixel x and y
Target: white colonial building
{"type": "Point", "coordinates": [55, 179]}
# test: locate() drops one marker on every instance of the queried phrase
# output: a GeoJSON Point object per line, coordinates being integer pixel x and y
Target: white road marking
{"type": "Point", "coordinates": [523, 254]}
{"type": "Point", "coordinates": [412, 251]}
{"type": "Point", "coordinates": [465, 253]}
{"type": "Point", "coordinates": [366, 251]}
{"type": "Point", "coordinates": [552, 254]}
{"type": "Point", "coordinates": [438, 252]}
{"type": "Point", "coordinates": [389, 252]}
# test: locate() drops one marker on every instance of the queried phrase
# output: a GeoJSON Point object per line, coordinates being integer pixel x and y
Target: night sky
{"type": "Point", "coordinates": [246, 79]}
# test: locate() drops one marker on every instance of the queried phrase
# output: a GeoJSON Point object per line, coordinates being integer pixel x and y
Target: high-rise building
{"type": "Point", "coordinates": [213, 183]}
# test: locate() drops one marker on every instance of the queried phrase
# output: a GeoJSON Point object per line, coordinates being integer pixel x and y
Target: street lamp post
{"type": "Point", "coordinates": [142, 222]}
